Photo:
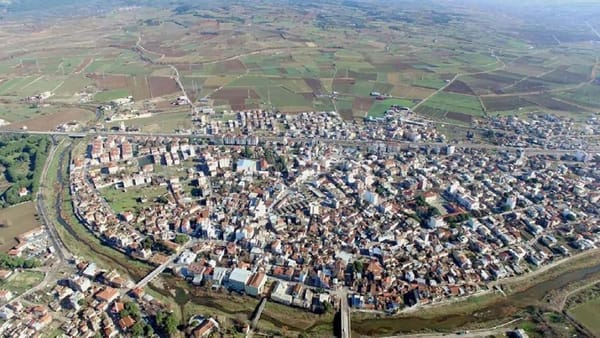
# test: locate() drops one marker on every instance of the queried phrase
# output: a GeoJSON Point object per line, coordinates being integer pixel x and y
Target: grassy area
{"type": "Point", "coordinates": [12, 112]}
{"type": "Point", "coordinates": [281, 97]}
{"type": "Point", "coordinates": [458, 103]}
{"type": "Point", "coordinates": [54, 333]}
{"type": "Point", "coordinates": [303, 320]}
{"type": "Point", "coordinates": [586, 95]}
{"type": "Point", "coordinates": [429, 83]}
{"type": "Point", "coordinates": [165, 122]}
{"type": "Point", "coordinates": [109, 95]}
{"type": "Point", "coordinates": [127, 200]}
{"type": "Point", "coordinates": [588, 315]}
{"type": "Point", "coordinates": [168, 301]}
{"type": "Point", "coordinates": [379, 107]}
{"type": "Point", "coordinates": [22, 281]}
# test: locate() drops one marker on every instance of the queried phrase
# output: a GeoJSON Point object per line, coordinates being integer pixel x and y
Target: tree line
{"type": "Point", "coordinates": [22, 159]}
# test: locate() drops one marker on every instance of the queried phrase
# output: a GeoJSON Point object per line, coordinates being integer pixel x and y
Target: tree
{"type": "Point", "coordinates": [132, 310]}
{"type": "Point", "coordinates": [148, 330]}
{"type": "Point", "coordinates": [181, 238]}
{"type": "Point", "coordinates": [167, 322]}
{"type": "Point", "coordinates": [137, 330]}
{"type": "Point", "coordinates": [358, 266]}
{"type": "Point", "coordinates": [148, 242]}
{"type": "Point", "coordinates": [247, 153]}
{"type": "Point", "coordinates": [8, 262]}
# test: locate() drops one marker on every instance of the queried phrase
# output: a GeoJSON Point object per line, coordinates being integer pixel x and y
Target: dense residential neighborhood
{"type": "Point", "coordinates": [309, 210]}
{"type": "Point", "coordinates": [295, 169]}
{"type": "Point", "coordinates": [396, 225]}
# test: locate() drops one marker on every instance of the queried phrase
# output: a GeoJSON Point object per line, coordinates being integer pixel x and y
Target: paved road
{"type": "Point", "coordinates": [492, 331]}
{"type": "Point", "coordinates": [60, 251]}
{"type": "Point", "coordinates": [345, 327]}
{"type": "Point", "coordinates": [142, 283]}
{"type": "Point", "coordinates": [349, 143]}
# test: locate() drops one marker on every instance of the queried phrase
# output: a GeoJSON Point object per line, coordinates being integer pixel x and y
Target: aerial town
{"type": "Point", "coordinates": [308, 209]}
{"type": "Point", "coordinates": [295, 169]}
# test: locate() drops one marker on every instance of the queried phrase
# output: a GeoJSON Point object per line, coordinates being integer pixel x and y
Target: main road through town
{"type": "Point", "coordinates": [340, 142]}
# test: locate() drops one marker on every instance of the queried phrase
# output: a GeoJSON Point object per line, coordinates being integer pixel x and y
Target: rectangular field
{"type": "Point", "coordinates": [15, 221]}
{"type": "Point", "coordinates": [458, 103]}
{"type": "Point", "coordinates": [22, 281]}
{"type": "Point", "coordinates": [122, 201]}
{"type": "Point", "coordinates": [588, 315]}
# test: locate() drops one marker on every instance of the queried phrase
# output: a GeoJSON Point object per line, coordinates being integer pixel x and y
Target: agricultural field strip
{"type": "Point", "coordinates": [502, 66]}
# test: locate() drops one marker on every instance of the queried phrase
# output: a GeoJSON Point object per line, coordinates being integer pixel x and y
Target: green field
{"type": "Point", "coordinates": [587, 95]}
{"type": "Point", "coordinates": [457, 103]}
{"type": "Point", "coordinates": [110, 95]}
{"type": "Point", "coordinates": [160, 122]}
{"type": "Point", "coordinates": [22, 281]}
{"type": "Point", "coordinates": [379, 107]}
{"type": "Point", "coordinates": [127, 200]}
{"type": "Point", "coordinates": [588, 315]}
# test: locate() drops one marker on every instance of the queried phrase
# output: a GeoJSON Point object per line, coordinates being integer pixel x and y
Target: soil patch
{"type": "Point", "coordinates": [459, 117]}
{"type": "Point", "coordinates": [15, 221]}
{"type": "Point", "coordinates": [160, 85]}
{"type": "Point", "coordinates": [51, 121]}
{"type": "Point", "coordinates": [315, 85]}
{"type": "Point", "coordinates": [362, 104]}
{"type": "Point", "coordinates": [459, 87]}
{"type": "Point", "coordinates": [343, 84]}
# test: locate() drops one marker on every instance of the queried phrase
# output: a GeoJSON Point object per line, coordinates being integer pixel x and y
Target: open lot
{"type": "Point", "coordinates": [127, 199]}
{"type": "Point", "coordinates": [51, 120]}
{"type": "Point", "coordinates": [15, 221]}
{"type": "Point", "coordinates": [22, 281]}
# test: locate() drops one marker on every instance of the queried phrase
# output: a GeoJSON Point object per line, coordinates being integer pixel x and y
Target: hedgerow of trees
{"type": "Point", "coordinates": [22, 159]}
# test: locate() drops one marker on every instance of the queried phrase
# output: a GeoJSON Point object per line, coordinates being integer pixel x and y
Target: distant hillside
{"type": "Point", "coordinates": [77, 7]}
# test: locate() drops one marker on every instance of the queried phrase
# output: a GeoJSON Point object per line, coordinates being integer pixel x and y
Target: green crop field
{"type": "Point", "coordinates": [110, 95]}
{"type": "Point", "coordinates": [588, 315]}
{"type": "Point", "coordinates": [379, 107]}
{"type": "Point", "coordinates": [466, 104]}
{"type": "Point", "coordinates": [587, 95]}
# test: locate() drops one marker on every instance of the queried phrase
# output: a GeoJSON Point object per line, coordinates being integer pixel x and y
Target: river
{"type": "Point", "coordinates": [501, 308]}
{"type": "Point", "coordinates": [58, 206]}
